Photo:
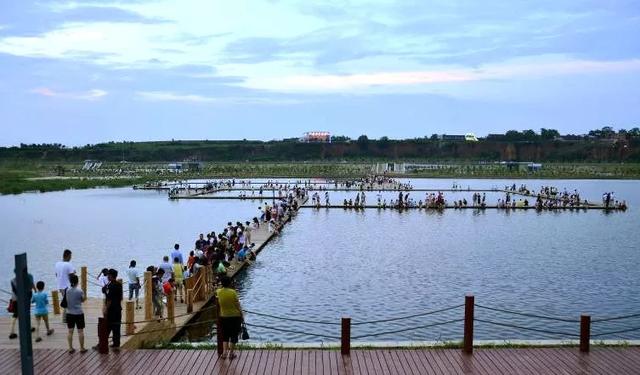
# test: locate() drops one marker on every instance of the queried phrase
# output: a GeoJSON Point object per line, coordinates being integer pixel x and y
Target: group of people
{"type": "Point", "coordinates": [609, 201]}
{"type": "Point", "coordinates": [372, 183]}
{"type": "Point", "coordinates": [316, 202]}
{"type": "Point", "coordinates": [71, 304]}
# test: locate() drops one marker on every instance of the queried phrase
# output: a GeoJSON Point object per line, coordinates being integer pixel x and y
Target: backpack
{"type": "Point", "coordinates": [64, 303]}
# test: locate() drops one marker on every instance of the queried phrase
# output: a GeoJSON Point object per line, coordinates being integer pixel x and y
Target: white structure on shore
{"type": "Point", "coordinates": [316, 137]}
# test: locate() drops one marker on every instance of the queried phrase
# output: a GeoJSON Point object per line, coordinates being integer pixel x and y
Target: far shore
{"type": "Point", "coordinates": [18, 177]}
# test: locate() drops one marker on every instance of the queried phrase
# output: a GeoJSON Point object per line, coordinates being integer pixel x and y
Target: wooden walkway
{"type": "Point", "coordinates": [618, 361]}
{"type": "Point", "coordinates": [469, 208]}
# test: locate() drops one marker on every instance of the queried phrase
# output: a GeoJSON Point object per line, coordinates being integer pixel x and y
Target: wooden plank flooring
{"type": "Point", "coordinates": [380, 361]}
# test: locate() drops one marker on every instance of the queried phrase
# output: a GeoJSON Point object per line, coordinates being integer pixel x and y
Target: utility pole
{"type": "Point", "coordinates": [23, 286]}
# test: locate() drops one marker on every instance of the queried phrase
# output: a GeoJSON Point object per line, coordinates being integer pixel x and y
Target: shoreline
{"type": "Point", "coordinates": [453, 344]}
{"type": "Point", "coordinates": [46, 184]}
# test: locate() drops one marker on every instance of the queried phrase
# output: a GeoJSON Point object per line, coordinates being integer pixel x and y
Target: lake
{"type": "Point", "coordinates": [368, 265]}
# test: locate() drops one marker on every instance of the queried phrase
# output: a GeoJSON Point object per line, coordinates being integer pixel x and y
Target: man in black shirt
{"type": "Point", "coordinates": [201, 242]}
{"type": "Point", "coordinates": [113, 307]}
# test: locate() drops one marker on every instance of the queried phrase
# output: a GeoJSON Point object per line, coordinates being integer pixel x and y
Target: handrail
{"type": "Point", "coordinates": [410, 329]}
{"type": "Point", "coordinates": [616, 318]}
{"type": "Point", "coordinates": [528, 314]}
{"type": "Point", "coordinates": [526, 328]}
{"type": "Point", "coordinates": [408, 316]}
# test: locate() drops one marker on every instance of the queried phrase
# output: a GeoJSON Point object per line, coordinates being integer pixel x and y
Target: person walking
{"type": "Point", "coordinates": [167, 268]}
{"type": "Point", "coordinates": [13, 304]}
{"type": "Point", "coordinates": [178, 276]}
{"type": "Point", "coordinates": [41, 311]}
{"type": "Point", "coordinates": [134, 282]}
{"type": "Point", "coordinates": [230, 315]}
{"type": "Point", "coordinates": [75, 315]}
{"type": "Point", "coordinates": [64, 269]}
{"type": "Point", "coordinates": [113, 307]}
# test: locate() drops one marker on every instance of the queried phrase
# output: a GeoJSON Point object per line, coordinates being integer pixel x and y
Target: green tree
{"type": "Point", "coordinates": [549, 133]}
{"type": "Point", "coordinates": [363, 142]}
{"type": "Point", "coordinates": [383, 142]}
{"type": "Point", "coordinates": [529, 135]}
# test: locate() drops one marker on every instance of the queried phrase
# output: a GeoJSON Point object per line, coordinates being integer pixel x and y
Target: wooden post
{"type": "Point", "coordinates": [130, 317]}
{"type": "Point", "coordinates": [205, 282]}
{"type": "Point", "coordinates": [219, 339]}
{"type": "Point", "coordinates": [468, 324]}
{"type": "Point", "coordinates": [171, 313]}
{"type": "Point", "coordinates": [148, 296]}
{"type": "Point", "coordinates": [345, 336]}
{"type": "Point", "coordinates": [55, 301]}
{"type": "Point", "coordinates": [83, 279]}
{"type": "Point", "coordinates": [189, 301]}
{"type": "Point", "coordinates": [585, 332]}
{"type": "Point", "coordinates": [103, 336]}
{"type": "Point", "coordinates": [23, 286]}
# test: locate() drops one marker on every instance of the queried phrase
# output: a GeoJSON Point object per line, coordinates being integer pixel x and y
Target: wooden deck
{"type": "Point", "coordinates": [617, 361]}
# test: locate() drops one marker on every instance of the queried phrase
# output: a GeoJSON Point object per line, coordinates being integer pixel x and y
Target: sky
{"type": "Point", "coordinates": [80, 72]}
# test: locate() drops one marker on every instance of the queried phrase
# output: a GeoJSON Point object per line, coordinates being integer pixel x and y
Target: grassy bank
{"type": "Point", "coordinates": [19, 176]}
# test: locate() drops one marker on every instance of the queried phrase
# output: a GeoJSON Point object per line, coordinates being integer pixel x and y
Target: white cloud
{"type": "Point", "coordinates": [93, 94]}
{"type": "Point", "coordinates": [531, 68]}
{"type": "Point", "coordinates": [168, 96]}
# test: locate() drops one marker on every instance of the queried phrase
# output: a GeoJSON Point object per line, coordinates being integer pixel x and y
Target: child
{"type": "Point", "coordinates": [41, 311]}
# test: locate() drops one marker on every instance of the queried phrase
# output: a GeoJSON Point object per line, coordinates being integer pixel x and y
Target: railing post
{"type": "Point", "coordinates": [171, 308]}
{"type": "Point", "coordinates": [130, 317]}
{"type": "Point", "coordinates": [103, 336]}
{"type": "Point", "coordinates": [468, 324]}
{"type": "Point", "coordinates": [83, 279]}
{"type": "Point", "coordinates": [148, 296]}
{"type": "Point", "coordinates": [189, 301]}
{"type": "Point", "coordinates": [219, 339]}
{"type": "Point", "coordinates": [345, 336]}
{"type": "Point", "coordinates": [585, 332]}
{"type": "Point", "coordinates": [55, 301]}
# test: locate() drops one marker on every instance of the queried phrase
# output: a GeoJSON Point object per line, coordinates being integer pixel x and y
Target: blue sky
{"type": "Point", "coordinates": [78, 72]}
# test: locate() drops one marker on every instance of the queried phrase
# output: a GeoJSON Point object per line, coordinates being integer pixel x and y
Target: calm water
{"type": "Point", "coordinates": [367, 265]}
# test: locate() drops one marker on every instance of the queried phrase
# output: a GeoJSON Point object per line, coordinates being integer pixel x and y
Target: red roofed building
{"type": "Point", "coordinates": [321, 137]}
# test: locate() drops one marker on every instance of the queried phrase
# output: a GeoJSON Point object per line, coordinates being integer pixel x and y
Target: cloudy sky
{"type": "Point", "coordinates": [79, 72]}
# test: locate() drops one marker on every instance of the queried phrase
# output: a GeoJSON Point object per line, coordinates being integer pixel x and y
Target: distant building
{"type": "Point", "coordinates": [184, 166]}
{"type": "Point", "coordinates": [316, 137]}
{"type": "Point", "coordinates": [522, 166]}
{"type": "Point", "coordinates": [91, 165]}
{"type": "Point", "coordinates": [469, 137]}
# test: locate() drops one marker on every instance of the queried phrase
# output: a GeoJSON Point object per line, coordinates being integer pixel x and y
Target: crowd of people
{"type": "Point", "coordinates": [218, 251]}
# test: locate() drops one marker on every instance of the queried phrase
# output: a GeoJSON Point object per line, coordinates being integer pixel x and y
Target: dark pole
{"type": "Point", "coordinates": [585, 332]}
{"type": "Point", "coordinates": [103, 336]}
{"type": "Point", "coordinates": [345, 337]}
{"type": "Point", "coordinates": [468, 324]}
{"type": "Point", "coordinates": [219, 337]}
{"type": "Point", "coordinates": [23, 286]}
